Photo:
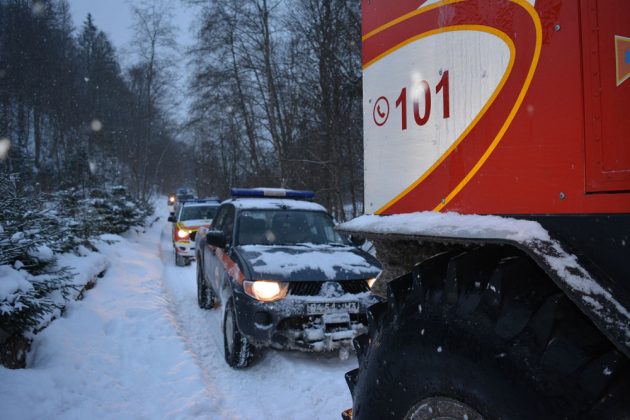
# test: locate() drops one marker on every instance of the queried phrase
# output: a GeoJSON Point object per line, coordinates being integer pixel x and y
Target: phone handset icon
{"type": "Point", "coordinates": [381, 111]}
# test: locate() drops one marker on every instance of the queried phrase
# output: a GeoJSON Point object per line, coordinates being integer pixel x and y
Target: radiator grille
{"type": "Point", "coordinates": [312, 288]}
{"type": "Point", "coordinates": [354, 286]}
{"type": "Point", "coordinates": [305, 288]}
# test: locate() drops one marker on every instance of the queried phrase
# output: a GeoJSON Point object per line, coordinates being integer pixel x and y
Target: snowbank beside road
{"type": "Point", "coordinates": [16, 284]}
{"type": "Point", "coordinates": [116, 354]}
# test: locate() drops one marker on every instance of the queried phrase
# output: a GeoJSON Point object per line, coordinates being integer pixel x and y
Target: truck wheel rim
{"type": "Point", "coordinates": [442, 408]}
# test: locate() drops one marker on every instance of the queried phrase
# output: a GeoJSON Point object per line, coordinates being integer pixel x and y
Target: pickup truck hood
{"type": "Point", "coordinates": [307, 262]}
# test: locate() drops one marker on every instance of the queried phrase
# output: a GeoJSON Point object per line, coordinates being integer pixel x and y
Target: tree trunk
{"type": "Point", "coordinates": [37, 134]}
{"type": "Point", "coordinates": [249, 129]}
{"type": "Point", "coordinates": [275, 116]}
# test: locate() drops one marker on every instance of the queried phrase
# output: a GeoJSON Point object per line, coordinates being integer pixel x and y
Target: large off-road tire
{"type": "Point", "coordinates": [205, 295]}
{"type": "Point", "coordinates": [239, 353]}
{"type": "Point", "coordinates": [484, 333]}
{"type": "Point", "coordinates": [180, 260]}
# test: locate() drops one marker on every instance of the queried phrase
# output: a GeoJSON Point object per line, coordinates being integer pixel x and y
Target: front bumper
{"type": "Point", "coordinates": [185, 249]}
{"type": "Point", "coordinates": [303, 323]}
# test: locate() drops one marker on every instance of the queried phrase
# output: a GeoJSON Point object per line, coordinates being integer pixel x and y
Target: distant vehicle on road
{"type": "Point", "coordinates": [190, 216]}
{"type": "Point", "coordinates": [174, 199]}
{"type": "Point", "coordinates": [285, 278]}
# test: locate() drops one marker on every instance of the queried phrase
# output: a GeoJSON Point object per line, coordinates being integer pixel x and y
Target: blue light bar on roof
{"type": "Point", "coordinates": [270, 192]}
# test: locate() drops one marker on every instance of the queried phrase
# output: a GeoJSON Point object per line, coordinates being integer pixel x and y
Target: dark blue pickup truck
{"type": "Point", "coordinates": [285, 278]}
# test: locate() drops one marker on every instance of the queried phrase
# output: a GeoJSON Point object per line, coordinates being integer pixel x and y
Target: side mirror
{"type": "Point", "coordinates": [357, 240]}
{"type": "Point", "coordinates": [171, 219]}
{"type": "Point", "coordinates": [216, 238]}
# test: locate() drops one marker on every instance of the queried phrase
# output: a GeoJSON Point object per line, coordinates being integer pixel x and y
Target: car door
{"type": "Point", "coordinates": [216, 259]}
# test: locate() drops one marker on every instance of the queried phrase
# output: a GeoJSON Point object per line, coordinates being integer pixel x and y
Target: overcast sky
{"type": "Point", "coordinates": [114, 18]}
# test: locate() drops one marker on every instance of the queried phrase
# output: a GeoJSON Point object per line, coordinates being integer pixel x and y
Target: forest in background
{"type": "Point", "coordinates": [275, 99]}
{"type": "Point", "coordinates": [73, 117]}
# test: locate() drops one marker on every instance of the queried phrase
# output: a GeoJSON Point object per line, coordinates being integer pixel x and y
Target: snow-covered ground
{"type": "Point", "coordinates": [138, 346]}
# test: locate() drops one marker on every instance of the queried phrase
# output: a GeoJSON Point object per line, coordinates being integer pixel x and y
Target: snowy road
{"type": "Point", "coordinates": [138, 346]}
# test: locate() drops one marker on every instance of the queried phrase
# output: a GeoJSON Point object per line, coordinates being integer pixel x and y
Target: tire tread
{"type": "Point", "coordinates": [508, 304]}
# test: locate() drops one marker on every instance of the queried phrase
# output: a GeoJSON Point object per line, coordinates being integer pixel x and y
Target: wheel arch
{"type": "Point", "coordinates": [586, 286]}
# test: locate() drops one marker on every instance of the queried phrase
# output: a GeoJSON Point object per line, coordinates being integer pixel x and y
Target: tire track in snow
{"type": "Point", "coordinates": [179, 313]}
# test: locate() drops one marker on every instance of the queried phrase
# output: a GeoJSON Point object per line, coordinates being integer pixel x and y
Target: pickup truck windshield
{"type": "Point", "coordinates": [280, 227]}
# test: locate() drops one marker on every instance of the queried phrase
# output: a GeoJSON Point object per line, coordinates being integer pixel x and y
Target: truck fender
{"type": "Point", "coordinates": [590, 289]}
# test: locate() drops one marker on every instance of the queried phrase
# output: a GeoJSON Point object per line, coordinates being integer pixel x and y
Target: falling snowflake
{"type": "Point", "coordinates": [5, 145]}
{"type": "Point", "coordinates": [38, 8]}
{"type": "Point", "coordinates": [96, 125]}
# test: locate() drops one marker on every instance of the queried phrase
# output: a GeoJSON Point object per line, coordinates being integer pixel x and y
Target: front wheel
{"type": "Point", "coordinates": [238, 350]}
{"type": "Point", "coordinates": [180, 260]}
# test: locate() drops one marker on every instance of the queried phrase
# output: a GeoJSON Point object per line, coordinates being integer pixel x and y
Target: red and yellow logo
{"type": "Point", "coordinates": [458, 165]}
{"type": "Point", "coordinates": [622, 56]}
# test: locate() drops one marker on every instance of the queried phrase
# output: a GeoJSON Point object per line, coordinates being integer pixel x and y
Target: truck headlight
{"type": "Point", "coordinates": [266, 290]}
{"type": "Point", "coordinates": [182, 234]}
{"type": "Point", "coordinates": [371, 281]}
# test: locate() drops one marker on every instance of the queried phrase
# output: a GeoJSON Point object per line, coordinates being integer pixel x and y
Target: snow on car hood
{"type": "Point", "coordinates": [307, 262]}
{"type": "Point", "coordinates": [195, 223]}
